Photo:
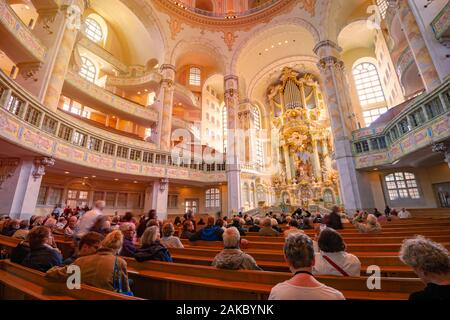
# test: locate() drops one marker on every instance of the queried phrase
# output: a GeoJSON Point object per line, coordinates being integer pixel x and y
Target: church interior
{"type": "Point", "coordinates": [171, 114]}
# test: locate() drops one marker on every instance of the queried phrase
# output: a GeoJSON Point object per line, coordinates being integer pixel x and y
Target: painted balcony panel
{"type": "Point", "coordinates": [150, 80]}
{"type": "Point", "coordinates": [441, 26]}
{"type": "Point", "coordinates": [23, 46]}
{"type": "Point", "coordinates": [108, 102]}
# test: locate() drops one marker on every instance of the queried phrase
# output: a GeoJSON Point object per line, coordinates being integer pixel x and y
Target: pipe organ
{"type": "Point", "coordinates": [304, 174]}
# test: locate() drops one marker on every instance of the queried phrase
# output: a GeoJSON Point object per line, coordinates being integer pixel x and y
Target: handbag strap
{"type": "Point", "coordinates": [345, 274]}
{"type": "Point", "coordinates": [117, 281]}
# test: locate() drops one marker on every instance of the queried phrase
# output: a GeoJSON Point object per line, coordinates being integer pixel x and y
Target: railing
{"type": "Point", "coordinates": [405, 60]}
{"type": "Point", "coordinates": [22, 33]}
{"type": "Point", "coordinates": [26, 122]}
{"type": "Point", "coordinates": [125, 81]}
{"type": "Point", "coordinates": [423, 122]}
{"type": "Point", "coordinates": [225, 15]}
{"type": "Point", "coordinates": [140, 114]}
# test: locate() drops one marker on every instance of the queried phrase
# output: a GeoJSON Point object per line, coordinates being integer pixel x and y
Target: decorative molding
{"type": "Point", "coordinates": [229, 39]}
{"type": "Point", "coordinates": [29, 70]}
{"type": "Point", "coordinates": [40, 164]}
{"type": "Point", "coordinates": [175, 27]}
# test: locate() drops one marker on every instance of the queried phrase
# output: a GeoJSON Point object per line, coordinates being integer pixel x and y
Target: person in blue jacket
{"type": "Point", "coordinates": [209, 233]}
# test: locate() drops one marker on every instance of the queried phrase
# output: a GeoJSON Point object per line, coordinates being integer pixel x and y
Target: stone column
{"type": "Point", "coordinates": [167, 91]}
{"type": "Point", "coordinates": [71, 30]}
{"type": "Point", "coordinates": [160, 196]}
{"type": "Point", "coordinates": [316, 160]}
{"type": "Point", "coordinates": [233, 140]}
{"type": "Point", "coordinates": [20, 183]}
{"type": "Point", "coordinates": [355, 189]}
{"type": "Point", "coordinates": [416, 42]}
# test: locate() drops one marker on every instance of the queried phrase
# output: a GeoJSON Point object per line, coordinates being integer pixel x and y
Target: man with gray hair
{"type": "Point", "coordinates": [231, 257]}
{"type": "Point", "coordinates": [431, 262]}
{"type": "Point", "coordinates": [267, 230]}
{"type": "Point", "coordinates": [299, 255]}
{"type": "Point", "coordinates": [89, 219]}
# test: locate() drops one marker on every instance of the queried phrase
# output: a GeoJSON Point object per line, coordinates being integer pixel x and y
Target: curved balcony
{"type": "Point", "coordinates": [30, 125]}
{"type": "Point", "coordinates": [185, 96]}
{"type": "Point", "coordinates": [405, 60]}
{"type": "Point", "coordinates": [103, 54]}
{"type": "Point", "coordinates": [108, 102]}
{"type": "Point", "coordinates": [424, 122]}
{"type": "Point", "coordinates": [23, 46]}
{"type": "Point", "coordinates": [150, 80]}
{"type": "Point", "coordinates": [219, 20]}
{"type": "Point", "coordinates": [178, 123]}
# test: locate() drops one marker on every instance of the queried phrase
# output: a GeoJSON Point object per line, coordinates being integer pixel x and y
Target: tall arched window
{"type": "Point", "coordinates": [225, 128]}
{"type": "Point", "coordinates": [257, 126]}
{"type": "Point", "coordinates": [368, 84]}
{"type": "Point", "coordinates": [402, 185]}
{"type": "Point", "coordinates": [88, 69]}
{"type": "Point", "coordinates": [212, 197]}
{"type": "Point", "coordinates": [93, 30]}
{"type": "Point", "coordinates": [195, 76]}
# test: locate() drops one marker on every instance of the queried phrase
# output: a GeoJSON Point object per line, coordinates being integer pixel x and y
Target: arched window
{"type": "Point", "coordinates": [195, 78]}
{"type": "Point", "coordinates": [257, 126]}
{"type": "Point", "coordinates": [382, 6]}
{"type": "Point", "coordinates": [368, 84]}
{"type": "Point", "coordinates": [88, 69]}
{"type": "Point", "coordinates": [93, 30]}
{"type": "Point", "coordinates": [212, 197]}
{"type": "Point", "coordinates": [225, 128]}
{"type": "Point", "coordinates": [402, 185]}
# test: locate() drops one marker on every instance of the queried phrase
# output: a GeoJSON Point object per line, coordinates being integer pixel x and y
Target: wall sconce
{"type": "Point", "coordinates": [163, 184]}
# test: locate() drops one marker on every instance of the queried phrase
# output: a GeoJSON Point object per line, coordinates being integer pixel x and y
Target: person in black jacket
{"type": "Point", "coordinates": [43, 251]}
{"type": "Point", "coordinates": [143, 222]}
{"type": "Point", "coordinates": [151, 248]}
{"type": "Point", "coordinates": [333, 220]}
{"type": "Point", "coordinates": [431, 262]}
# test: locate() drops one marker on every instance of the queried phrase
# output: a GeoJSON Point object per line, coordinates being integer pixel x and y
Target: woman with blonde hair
{"type": "Point", "coordinates": [371, 226]}
{"type": "Point", "coordinates": [151, 248]}
{"type": "Point", "coordinates": [104, 269]}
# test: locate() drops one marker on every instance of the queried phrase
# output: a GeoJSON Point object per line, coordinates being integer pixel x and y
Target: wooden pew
{"type": "Point", "coordinates": [355, 248]}
{"type": "Point", "coordinates": [20, 283]}
{"type": "Point", "coordinates": [390, 266]}
{"type": "Point", "coordinates": [160, 280]}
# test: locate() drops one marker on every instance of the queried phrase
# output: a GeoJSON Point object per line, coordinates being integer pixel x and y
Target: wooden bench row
{"type": "Point", "coordinates": [20, 283]}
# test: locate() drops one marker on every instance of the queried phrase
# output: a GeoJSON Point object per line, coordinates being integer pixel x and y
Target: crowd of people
{"type": "Point", "coordinates": [101, 242]}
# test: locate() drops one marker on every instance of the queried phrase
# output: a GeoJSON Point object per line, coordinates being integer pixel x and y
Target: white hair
{"type": "Point", "coordinates": [231, 238]}
{"type": "Point", "coordinates": [149, 236]}
{"type": "Point", "coordinates": [371, 219]}
{"type": "Point", "coordinates": [100, 204]}
{"type": "Point", "coordinates": [273, 222]}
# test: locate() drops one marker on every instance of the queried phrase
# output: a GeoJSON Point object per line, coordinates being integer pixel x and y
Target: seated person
{"type": "Point", "coordinates": [255, 226]}
{"type": "Point", "coordinates": [220, 223]}
{"type": "Point", "coordinates": [70, 228]}
{"type": "Point", "coordinates": [104, 269]}
{"type": "Point", "coordinates": [292, 227]}
{"type": "Point", "coordinates": [168, 240]}
{"type": "Point", "coordinates": [61, 223]}
{"type": "Point", "coordinates": [88, 245]}
{"type": "Point", "coordinates": [431, 262]}
{"type": "Point", "coordinates": [188, 230]}
{"type": "Point", "coordinates": [231, 257]}
{"type": "Point", "coordinates": [333, 220]}
{"type": "Point", "coordinates": [128, 230]}
{"type": "Point", "coordinates": [151, 248]}
{"type": "Point", "coordinates": [404, 214]}
{"type": "Point", "coordinates": [307, 224]}
{"type": "Point", "coordinates": [237, 223]}
{"type": "Point", "coordinates": [23, 230]}
{"type": "Point", "coordinates": [371, 226]}
{"type": "Point", "coordinates": [274, 222]}
{"type": "Point", "coordinates": [332, 260]}
{"type": "Point", "coordinates": [19, 253]}
{"type": "Point", "coordinates": [201, 222]}
{"type": "Point", "coordinates": [43, 251]}
{"type": "Point", "coordinates": [209, 233]}
{"type": "Point", "coordinates": [267, 230]}
{"type": "Point", "coordinates": [10, 227]}
{"type": "Point", "coordinates": [299, 254]}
